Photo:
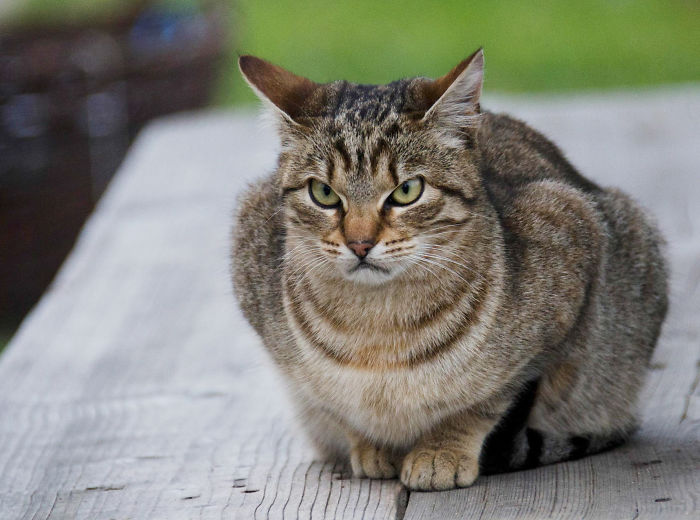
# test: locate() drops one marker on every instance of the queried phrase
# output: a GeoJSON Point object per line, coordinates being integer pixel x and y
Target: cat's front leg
{"type": "Point", "coordinates": [370, 461]}
{"type": "Point", "coordinates": [448, 456]}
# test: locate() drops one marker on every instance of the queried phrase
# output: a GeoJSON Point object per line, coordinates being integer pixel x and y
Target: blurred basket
{"type": "Point", "coordinates": [71, 101]}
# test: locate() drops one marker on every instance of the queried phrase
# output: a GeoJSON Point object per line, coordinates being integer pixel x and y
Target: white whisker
{"type": "Point", "coordinates": [439, 257]}
{"type": "Point", "coordinates": [447, 269]}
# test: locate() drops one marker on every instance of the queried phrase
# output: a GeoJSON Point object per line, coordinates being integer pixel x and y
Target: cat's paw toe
{"type": "Point", "coordinates": [435, 470]}
{"type": "Point", "coordinates": [371, 462]}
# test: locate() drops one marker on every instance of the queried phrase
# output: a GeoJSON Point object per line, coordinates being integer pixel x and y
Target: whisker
{"type": "Point", "coordinates": [275, 213]}
{"type": "Point", "coordinates": [445, 226]}
{"type": "Point", "coordinates": [309, 249]}
{"type": "Point", "coordinates": [399, 255]}
{"type": "Point", "coordinates": [288, 254]}
{"type": "Point", "coordinates": [418, 263]}
{"type": "Point", "coordinates": [447, 269]}
{"type": "Point", "coordinates": [303, 270]}
{"type": "Point", "coordinates": [440, 235]}
{"type": "Point", "coordinates": [439, 257]}
{"type": "Point", "coordinates": [432, 248]}
{"type": "Point", "coordinates": [303, 237]}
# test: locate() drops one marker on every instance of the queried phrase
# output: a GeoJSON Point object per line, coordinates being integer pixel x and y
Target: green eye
{"type": "Point", "coordinates": [407, 193]}
{"type": "Point", "coordinates": [323, 195]}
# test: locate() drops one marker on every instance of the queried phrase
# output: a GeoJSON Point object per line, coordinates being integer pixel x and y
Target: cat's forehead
{"type": "Point", "coordinates": [357, 105]}
{"type": "Point", "coordinates": [353, 104]}
{"type": "Point", "coordinates": [361, 122]}
{"type": "Point", "coordinates": [360, 159]}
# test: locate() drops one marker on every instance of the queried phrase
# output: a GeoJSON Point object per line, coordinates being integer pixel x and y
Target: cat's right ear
{"type": "Point", "coordinates": [453, 99]}
{"type": "Point", "coordinates": [288, 93]}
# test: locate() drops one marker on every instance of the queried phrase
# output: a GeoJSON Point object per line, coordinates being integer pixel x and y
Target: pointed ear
{"type": "Point", "coordinates": [287, 92]}
{"type": "Point", "coordinates": [455, 96]}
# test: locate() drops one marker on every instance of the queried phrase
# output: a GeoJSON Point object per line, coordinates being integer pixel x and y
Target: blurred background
{"type": "Point", "coordinates": [80, 78]}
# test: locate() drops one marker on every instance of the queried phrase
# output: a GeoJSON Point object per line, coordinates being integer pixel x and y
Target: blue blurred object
{"type": "Point", "coordinates": [156, 29]}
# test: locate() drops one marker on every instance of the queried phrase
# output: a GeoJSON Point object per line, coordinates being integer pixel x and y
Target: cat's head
{"type": "Point", "coordinates": [378, 182]}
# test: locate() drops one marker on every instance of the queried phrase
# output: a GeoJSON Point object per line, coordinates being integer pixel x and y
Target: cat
{"type": "Point", "coordinates": [444, 294]}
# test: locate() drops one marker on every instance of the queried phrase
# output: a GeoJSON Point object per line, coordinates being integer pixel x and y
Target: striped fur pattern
{"type": "Point", "coordinates": [502, 320]}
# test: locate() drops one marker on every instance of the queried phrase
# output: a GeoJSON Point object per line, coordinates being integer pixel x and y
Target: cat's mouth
{"type": "Point", "coordinates": [364, 264]}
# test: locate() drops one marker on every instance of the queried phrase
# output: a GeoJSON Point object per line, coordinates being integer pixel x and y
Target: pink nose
{"type": "Point", "coordinates": [361, 248]}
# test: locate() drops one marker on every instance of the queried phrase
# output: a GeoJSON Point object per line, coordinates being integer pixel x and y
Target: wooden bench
{"type": "Point", "coordinates": [136, 390]}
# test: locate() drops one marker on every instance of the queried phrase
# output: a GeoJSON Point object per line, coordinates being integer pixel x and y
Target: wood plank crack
{"type": "Point", "coordinates": [402, 502]}
{"type": "Point", "coordinates": [693, 388]}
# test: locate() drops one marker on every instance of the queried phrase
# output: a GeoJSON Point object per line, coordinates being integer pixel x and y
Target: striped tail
{"type": "Point", "coordinates": [512, 445]}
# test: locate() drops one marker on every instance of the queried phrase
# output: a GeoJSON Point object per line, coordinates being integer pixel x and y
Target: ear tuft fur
{"type": "Point", "coordinates": [457, 94]}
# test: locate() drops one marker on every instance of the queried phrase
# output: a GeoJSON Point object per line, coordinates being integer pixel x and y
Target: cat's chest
{"type": "Point", "coordinates": [394, 406]}
{"type": "Point", "coordinates": [392, 399]}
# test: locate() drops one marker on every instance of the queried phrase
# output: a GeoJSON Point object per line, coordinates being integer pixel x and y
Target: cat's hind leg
{"type": "Point", "coordinates": [531, 448]}
{"type": "Point", "coordinates": [534, 433]}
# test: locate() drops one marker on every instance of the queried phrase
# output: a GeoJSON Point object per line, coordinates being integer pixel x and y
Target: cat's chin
{"type": "Point", "coordinates": [369, 274]}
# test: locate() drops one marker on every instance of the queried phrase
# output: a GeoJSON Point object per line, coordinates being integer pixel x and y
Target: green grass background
{"type": "Point", "coordinates": [538, 46]}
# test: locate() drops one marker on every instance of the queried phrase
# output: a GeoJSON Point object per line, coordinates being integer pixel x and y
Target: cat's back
{"type": "Point", "coordinates": [527, 177]}
{"type": "Point", "coordinates": [513, 155]}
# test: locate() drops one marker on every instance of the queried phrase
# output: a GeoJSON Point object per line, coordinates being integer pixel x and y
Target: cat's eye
{"type": "Point", "coordinates": [323, 195]}
{"type": "Point", "coordinates": [407, 193]}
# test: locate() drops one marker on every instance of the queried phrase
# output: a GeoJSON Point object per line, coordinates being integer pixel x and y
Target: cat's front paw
{"type": "Point", "coordinates": [438, 469]}
{"type": "Point", "coordinates": [371, 462]}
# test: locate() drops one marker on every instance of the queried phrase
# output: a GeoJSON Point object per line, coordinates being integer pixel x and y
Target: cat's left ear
{"type": "Point", "coordinates": [288, 93]}
{"type": "Point", "coordinates": [454, 98]}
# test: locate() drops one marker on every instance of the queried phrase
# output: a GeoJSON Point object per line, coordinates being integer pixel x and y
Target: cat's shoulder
{"type": "Point", "coordinates": [514, 154]}
{"type": "Point", "coordinates": [540, 197]}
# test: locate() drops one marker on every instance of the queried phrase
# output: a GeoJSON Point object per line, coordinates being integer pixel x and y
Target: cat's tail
{"type": "Point", "coordinates": [512, 445]}
{"type": "Point", "coordinates": [532, 448]}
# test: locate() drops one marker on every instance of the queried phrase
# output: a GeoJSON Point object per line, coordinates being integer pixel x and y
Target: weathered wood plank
{"type": "Point", "coordinates": [136, 390]}
{"type": "Point", "coordinates": [649, 150]}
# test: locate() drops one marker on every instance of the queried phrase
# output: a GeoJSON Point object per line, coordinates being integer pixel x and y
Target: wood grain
{"type": "Point", "coordinates": [135, 390]}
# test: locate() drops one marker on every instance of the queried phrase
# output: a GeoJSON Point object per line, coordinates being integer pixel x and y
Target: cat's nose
{"type": "Point", "coordinates": [361, 247]}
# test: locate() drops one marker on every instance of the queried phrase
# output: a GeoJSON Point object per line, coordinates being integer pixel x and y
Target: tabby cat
{"type": "Point", "coordinates": [443, 292]}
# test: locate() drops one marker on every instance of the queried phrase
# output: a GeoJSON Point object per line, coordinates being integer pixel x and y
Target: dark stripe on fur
{"type": "Point", "coordinates": [534, 452]}
{"type": "Point", "coordinates": [380, 147]}
{"type": "Point", "coordinates": [332, 319]}
{"type": "Point", "coordinates": [542, 449]}
{"type": "Point", "coordinates": [339, 145]}
{"type": "Point", "coordinates": [468, 201]}
{"type": "Point", "coordinates": [467, 321]}
{"type": "Point", "coordinates": [579, 446]}
{"type": "Point", "coordinates": [498, 448]}
{"type": "Point", "coordinates": [458, 331]}
{"type": "Point", "coordinates": [292, 189]}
